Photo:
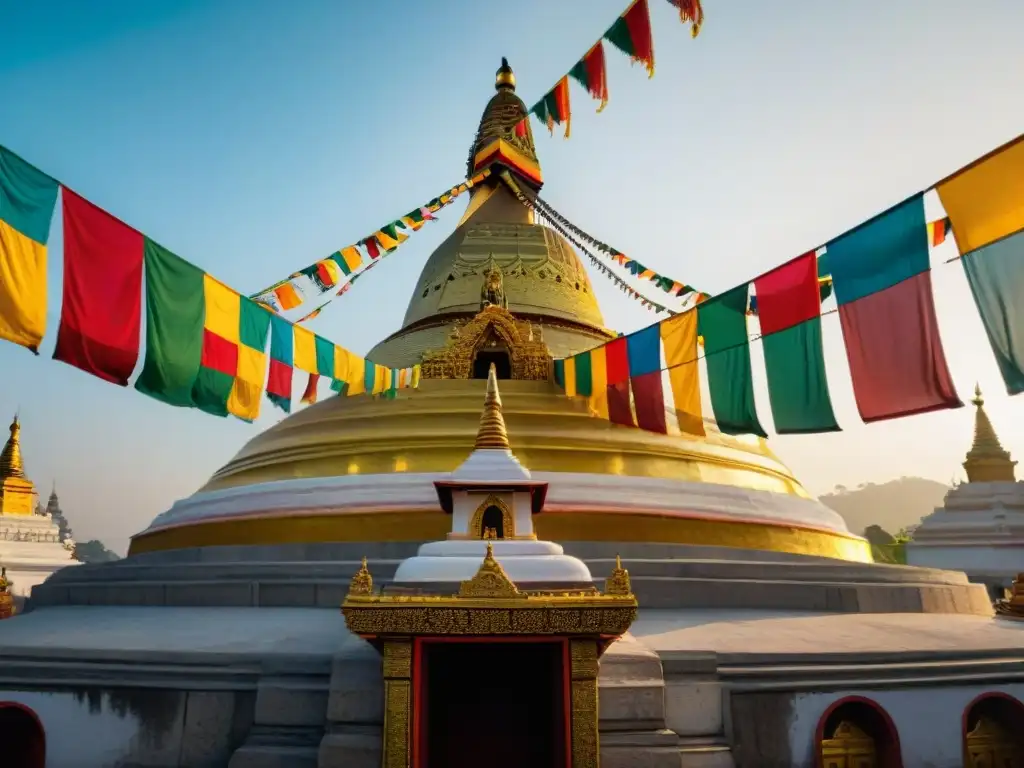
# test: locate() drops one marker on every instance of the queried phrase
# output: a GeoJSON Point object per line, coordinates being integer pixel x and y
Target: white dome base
{"type": "Point", "coordinates": [524, 561]}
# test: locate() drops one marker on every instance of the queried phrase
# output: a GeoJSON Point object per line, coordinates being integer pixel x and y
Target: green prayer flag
{"type": "Point", "coordinates": [175, 314]}
{"type": "Point", "coordinates": [579, 73]}
{"type": "Point", "coordinates": [722, 321]}
{"type": "Point", "coordinates": [797, 386]}
{"type": "Point", "coordinates": [324, 356]}
{"type": "Point", "coordinates": [211, 390]}
{"type": "Point", "coordinates": [618, 34]}
{"type": "Point", "coordinates": [995, 275]}
{"type": "Point", "coordinates": [584, 377]}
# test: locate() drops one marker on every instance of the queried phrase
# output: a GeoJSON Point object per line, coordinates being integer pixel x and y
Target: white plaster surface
{"type": "Point", "coordinates": [115, 629]}
{"type": "Point", "coordinates": [75, 736]}
{"type": "Point", "coordinates": [777, 632]}
{"type": "Point", "coordinates": [523, 561]}
{"type": "Point", "coordinates": [566, 492]}
{"type": "Point", "coordinates": [31, 562]}
{"type": "Point", "coordinates": [928, 721]}
{"type": "Point", "coordinates": [491, 465]}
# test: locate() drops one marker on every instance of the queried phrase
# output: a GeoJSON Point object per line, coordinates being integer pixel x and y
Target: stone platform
{"type": "Point", "coordinates": [663, 576]}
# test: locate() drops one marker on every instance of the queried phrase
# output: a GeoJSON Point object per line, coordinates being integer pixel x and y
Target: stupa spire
{"type": "Point", "coordinates": [987, 460]}
{"type": "Point", "coordinates": [10, 458]}
{"type": "Point", "coordinates": [492, 432]}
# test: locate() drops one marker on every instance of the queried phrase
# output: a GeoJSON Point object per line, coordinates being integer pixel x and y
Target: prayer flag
{"type": "Point", "coordinates": [348, 259]}
{"type": "Point", "coordinates": [304, 350]}
{"type": "Point", "coordinates": [101, 315]}
{"type": "Point", "coordinates": [631, 34]}
{"type": "Point", "coordinates": [679, 337]}
{"type": "Point", "coordinates": [644, 349]}
{"type": "Point", "coordinates": [570, 377]}
{"type": "Point", "coordinates": [279, 381]}
{"type": "Point", "coordinates": [309, 395]}
{"type": "Point", "coordinates": [175, 312]}
{"type": "Point", "coordinates": [324, 356]}
{"type": "Point", "coordinates": [287, 296]}
{"type": "Point", "coordinates": [690, 10]}
{"type": "Point", "coordinates": [880, 273]}
{"type": "Point", "coordinates": [598, 383]}
{"type": "Point", "coordinates": [789, 308]}
{"type": "Point", "coordinates": [27, 200]}
{"type": "Point", "coordinates": [584, 376]}
{"type": "Point", "coordinates": [985, 200]}
{"type": "Point", "coordinates": [722, 322]}
{"type": "Point", "coordinates": [620, 410]}
{"type": "Point", "coordinates": [590, 72]}
{"type": "Point", "coordinates": [995, 274]}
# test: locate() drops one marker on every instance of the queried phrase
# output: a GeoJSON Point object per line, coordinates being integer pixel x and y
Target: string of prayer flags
{"type": "Point", "coordinates": [690, 11]}
{"type": "Point", "coordinates": [554, 108]}
{"type": "Point", "coordinates": [985, 203]}
{"type": "Point", "coordinates": [722, 323]}
{"type": "Point", "coordinates": [279, 379]}
{"type": "Point", "coordinates": [175, 316]}
{"type": "Point", "coordinates": [233, 362]}
{"type": "Point", "coordinates": [938, 231]}
{"type": "Point", "coordinates": [881, 275]}
{"type": "Point", "coordinates": [591, 72]}
{"type": "Point", "coordinates": [679, 338]}
{"type": "Point", "coordinates": [27, 199]}
{"type": "Point", "coordinates": [631, 34]}
{"type": "Point", "coordinates": [326, 274]}
{"type": "Point", "coordinates": [644, 350]}
{"type": "Point", "coordinates": [789, 309]}
{"type": "Point", "coordinates": [101, 315]}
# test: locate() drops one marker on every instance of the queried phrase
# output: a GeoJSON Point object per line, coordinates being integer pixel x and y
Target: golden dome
{"type": "Point", "coordinates": [434, 428]}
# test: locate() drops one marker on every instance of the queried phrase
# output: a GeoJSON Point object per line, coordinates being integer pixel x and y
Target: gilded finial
{"type": "Point", "coordinates": [987, 460]}
{"type": "Point", "coordinates": [362, 581]}
{"type": "Point", "coordinates": [492, 432]}
{"type": "Point", "coordinates": [10, 458]}
{"type": "Point", "coordinates": [504, 77]}
{"type": "Point", "coordinates": [618, 582]}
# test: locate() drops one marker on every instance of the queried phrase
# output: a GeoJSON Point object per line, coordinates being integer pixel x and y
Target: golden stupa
{"type": "Point", "coordinates": [501, 289]}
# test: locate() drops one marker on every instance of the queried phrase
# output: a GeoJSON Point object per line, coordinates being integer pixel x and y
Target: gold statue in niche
{"type": "Point", "coordinates": [492, 293]}
{"type": "Point", "coordinates": [849, 747]}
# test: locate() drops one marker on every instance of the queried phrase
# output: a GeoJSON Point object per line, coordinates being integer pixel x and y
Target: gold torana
{"type": "Point", "coordinates": [987, 461]}
{"type": "Point", "coordinates": [492, 433]}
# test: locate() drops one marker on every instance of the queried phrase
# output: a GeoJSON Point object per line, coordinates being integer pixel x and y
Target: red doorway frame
{"type": "Point", "coordinates": [418, 736]}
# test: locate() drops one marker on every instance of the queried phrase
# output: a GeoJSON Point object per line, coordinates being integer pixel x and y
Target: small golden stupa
{"type": "Point", "coordinates": [987, 461]}
{"type": "Point", "coordinates": [17, 493]}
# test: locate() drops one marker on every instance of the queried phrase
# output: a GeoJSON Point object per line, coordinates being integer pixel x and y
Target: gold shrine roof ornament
{"type": "Point", "coordinates": [987, 461]}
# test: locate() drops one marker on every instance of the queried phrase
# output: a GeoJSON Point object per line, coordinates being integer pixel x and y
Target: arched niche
{"type": "Point", "coordinates": [493, 514]}
{"type": "Point", "coordinates": [993, 731]}
{"type": "Point", "coordinates": [22, 736]}
{"type": "Point", "coordinates": [855, 732]}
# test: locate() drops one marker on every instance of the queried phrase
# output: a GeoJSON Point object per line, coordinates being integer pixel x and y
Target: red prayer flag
{"type": "Point", "coordinates": [279, 381]}
{"type": "Point", "coordinates": [372, 249]}
{"type": "Point", "coordinates": [788, 295]}
{"type": "Point", "coordinates": [617, 366]}
{"type": "Point", "coordinates": [219, 354]}
{"type": "Point", "coordinates": [649, 400]}
{"type": "Point", "coordinates": [896, 359]}
{"type": "Point", "coordinates": [597, 74]}
{"type": "Point", "coordinates": [638, 20]}
{"type": "Point", "coordinates": [100, 319]}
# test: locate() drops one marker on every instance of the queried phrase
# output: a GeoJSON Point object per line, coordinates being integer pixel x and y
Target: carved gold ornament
{"type": "Point", "coordinates": [362, 581]}
{"type": "Point", "coordinates": [528, 355]}
{"type": "Point", "coordinates": [618, 582]}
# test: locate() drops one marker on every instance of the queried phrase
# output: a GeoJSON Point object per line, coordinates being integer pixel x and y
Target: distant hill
{"type": "Point", "coordinates": [893, 505]}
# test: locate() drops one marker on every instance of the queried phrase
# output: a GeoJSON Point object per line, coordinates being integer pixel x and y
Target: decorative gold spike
{"type": "Point", "coordinates": [492, 433]}
{"type": "Point", "coordinates": [362, 581]}
{"type": "Point", "coordinates": [10, 458]}
{"type": "Point", "coordinates": [987, 460]}
{"type": "Point", "coordinates": [490, 581]}
{"type": "Point", "coordinates": [618, 582]}
{"type": "Point", "coordinates": [504, 77]}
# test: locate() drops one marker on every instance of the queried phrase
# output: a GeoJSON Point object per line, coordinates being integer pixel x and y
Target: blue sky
{"type": "Point", "coordinates": [253, 137]}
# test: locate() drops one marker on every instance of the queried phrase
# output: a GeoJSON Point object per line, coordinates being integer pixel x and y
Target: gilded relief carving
{"type": "Point", "coordinates": [496, 328]}
{"type": "Point", "coordinates": [848, 747]}
{"type": "Point", "coordinates": [508, 524]}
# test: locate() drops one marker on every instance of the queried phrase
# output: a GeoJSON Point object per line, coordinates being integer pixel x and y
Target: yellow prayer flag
{"type": "Point", "coordinates": [304, 350]}
{"type": "Point", "coordinates": [381, 379]}
{"type": "Point", "coordinates": [402, 375]}
{"type": "Point", "coordinates": [244, 400]}
{"type": "Point", "coordinates": [22, 288]}
{"type": "Point", "coordinates": [985, 201]}
{"type": "Point", "coordinates": [570, 376]}
{"type": "Point", "coordinates": [223, 309]}
{"type": "Point", "coordinates": [341, 363]}
{"type": "Point", "coordinates": [387, 242]}
{"type": "Point", "coordinates": [352, 257]}
{"type": "Point", "coordinates": [679, 336]}
{"type": "Point", "coordinates": [415, 377]}
{"type": "Point", "coordinates": [598, 383]}
{"type": "Point", "coordinates": [356, 380]}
